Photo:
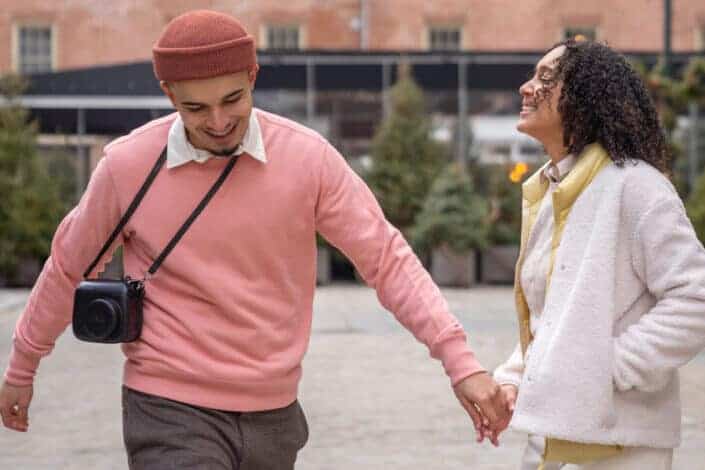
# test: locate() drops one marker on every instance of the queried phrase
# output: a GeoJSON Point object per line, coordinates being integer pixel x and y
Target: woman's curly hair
{"type": "Point", "coordinates": [604, 100]}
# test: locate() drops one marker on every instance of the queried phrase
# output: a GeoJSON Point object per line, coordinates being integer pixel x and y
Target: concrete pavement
{"type": "Point", "coordinates": [373, 397]}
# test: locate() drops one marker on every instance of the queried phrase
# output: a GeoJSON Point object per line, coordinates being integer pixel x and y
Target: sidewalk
{"type": "Point", "coordinates": [12, 300]}
{"type": "Point", "coordinates": [373, 397]}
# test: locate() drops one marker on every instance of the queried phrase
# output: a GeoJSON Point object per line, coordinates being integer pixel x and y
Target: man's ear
{"type": "Point", "coordinates": [166, 88]}
{"type": "Point", "coordinates": [252, 76]}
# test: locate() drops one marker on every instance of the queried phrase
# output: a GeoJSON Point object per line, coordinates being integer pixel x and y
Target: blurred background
{"type": "Point", "coordinates": [422, 99]}
{"type": "Point", "coordinates": [368, 75]}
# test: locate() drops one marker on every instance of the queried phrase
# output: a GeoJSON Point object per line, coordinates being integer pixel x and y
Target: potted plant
{"type": "Point", "coordinates": [31, 198]}
{"type": "Point", "coordinates": [452, 226]}
{"type": "Point", "coordinates": [405, 157]}
{"type": "Point", "coordinates": [498, 259]}
{"type": "Point", "coordinates": [696, 207]}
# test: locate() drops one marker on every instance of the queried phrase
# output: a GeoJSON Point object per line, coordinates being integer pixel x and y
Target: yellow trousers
{"type": "Point", "coordinates": [632, 458]}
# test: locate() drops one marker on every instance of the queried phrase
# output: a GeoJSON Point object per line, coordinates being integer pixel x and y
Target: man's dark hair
{"type": "Point", "coordinates": [603, 99]}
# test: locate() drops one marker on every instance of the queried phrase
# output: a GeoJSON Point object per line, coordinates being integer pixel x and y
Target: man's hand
{"type": "Point", "coordinates": [484, 401]}
{"type": "Point", "coordinates": [14, 406]}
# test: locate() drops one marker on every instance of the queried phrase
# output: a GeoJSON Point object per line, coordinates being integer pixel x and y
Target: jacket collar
{"type": "Point", "coordinates": [589, 163]}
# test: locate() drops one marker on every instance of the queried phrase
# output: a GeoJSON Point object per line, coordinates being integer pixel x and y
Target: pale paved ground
{"type": "Point", "coordinates": [373, 397]}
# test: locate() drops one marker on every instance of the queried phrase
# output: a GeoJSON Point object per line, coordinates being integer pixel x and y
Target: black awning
{"type": "Point", "coordinates": [117, 98]}
{"type": "Point", "coordinates": [332, 70]}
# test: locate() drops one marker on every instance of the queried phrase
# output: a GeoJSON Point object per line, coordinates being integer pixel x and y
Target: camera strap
{"type": "Point", "coordinates": [138, 199]}
{"type": "Point", "coordinates": [206, 199]}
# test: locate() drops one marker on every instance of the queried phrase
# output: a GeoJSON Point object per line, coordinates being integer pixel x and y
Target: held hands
{"type": "Point", "coordinates": [510, 395]}
{"type": "Point", "coordinates": [14, 406]}
{"type": "Point", "coordinates": [487, 404]}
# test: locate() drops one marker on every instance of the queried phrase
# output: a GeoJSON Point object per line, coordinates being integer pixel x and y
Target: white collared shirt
{"type": "Point", "coordinates": [555, 172]}
{"type": "Point", "coordinates": [534, 268]}
{"type": "Point", "coordinates": [534, 272]}
{"type": "Point", "coordinates": [181, 151]}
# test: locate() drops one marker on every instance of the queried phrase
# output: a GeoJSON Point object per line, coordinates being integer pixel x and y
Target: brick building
{"type": "Point", "coordinates": [328, 63]}
{"type": "Point", "coordinates": [37, 35]}
{"type": "Point", "coordinates": [325, 62]}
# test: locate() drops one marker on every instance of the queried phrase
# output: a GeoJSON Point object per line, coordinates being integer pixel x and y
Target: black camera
{"type": "Point", "coordinates": [108, 311]}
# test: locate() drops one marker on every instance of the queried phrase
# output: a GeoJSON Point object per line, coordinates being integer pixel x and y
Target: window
{"type": "Point", "coordinates": [283, 37]}
{"type": "Point", "coordinates": [582, 32]}
{"type": "Point", "coordinates": [34, 49]}
{"type": "Point", "coordinates": [444, 38]}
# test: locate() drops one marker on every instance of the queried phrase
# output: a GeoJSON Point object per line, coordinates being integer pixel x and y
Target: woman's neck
{"type": "Point", "coordinates": [556, 150]}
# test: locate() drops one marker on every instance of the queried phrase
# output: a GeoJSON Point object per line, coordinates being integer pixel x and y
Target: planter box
{"type": "Point", "coordinates": [323, 266]}
{"type": "Point", "coordinates": [450, 269]}
{"type": "Point", "coordinates": [26, 275]}
{"type": "Point", "coordinates": [498, 264]}
{"type": "Point", "coordinates": [28, 272]}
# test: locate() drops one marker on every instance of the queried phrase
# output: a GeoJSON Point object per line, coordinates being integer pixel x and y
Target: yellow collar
{"type": "Point", "coordinates": [589, 163]}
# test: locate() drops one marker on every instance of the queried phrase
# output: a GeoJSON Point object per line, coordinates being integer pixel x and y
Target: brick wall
{"type": "Point", "coordinates": [91, 32]}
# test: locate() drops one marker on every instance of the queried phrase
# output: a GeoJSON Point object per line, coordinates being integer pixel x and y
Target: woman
{"type": "Point", "coordinates": [610, 283]}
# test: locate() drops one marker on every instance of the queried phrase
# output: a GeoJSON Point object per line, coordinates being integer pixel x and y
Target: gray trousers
{"type": "Point", "coordinates": [162, 434]}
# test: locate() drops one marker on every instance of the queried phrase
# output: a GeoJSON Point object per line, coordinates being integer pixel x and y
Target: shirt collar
{"type": "Point", "coordinates": [181, 151]}
{"type": "Point", "coordinates": [555, 172]}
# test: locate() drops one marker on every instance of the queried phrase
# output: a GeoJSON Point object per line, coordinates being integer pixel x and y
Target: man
{"type": "Point", "coordinates": [212, 381]}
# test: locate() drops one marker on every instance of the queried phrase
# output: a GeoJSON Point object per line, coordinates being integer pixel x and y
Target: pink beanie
{"type": "Point", "coordinates": [202, 44]}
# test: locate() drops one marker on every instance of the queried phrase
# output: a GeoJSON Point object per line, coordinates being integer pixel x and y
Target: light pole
{"type": "Point", "coordinates": [364, 25]}
{"type": "Point", "coordinates": [667, 14]}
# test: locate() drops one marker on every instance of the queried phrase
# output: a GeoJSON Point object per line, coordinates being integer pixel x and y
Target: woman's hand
{"type": "Point", "coordinates": [509, 392]}
{"type": "Point", "coordinates": [510, 396]}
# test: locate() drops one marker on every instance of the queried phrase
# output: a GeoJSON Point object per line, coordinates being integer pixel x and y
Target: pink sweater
{"type": "Point", "coordinates": [227, 318]}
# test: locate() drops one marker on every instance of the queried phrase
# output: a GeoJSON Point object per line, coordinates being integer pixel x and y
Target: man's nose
{"type": "Point", "coordinates": [218, 119]}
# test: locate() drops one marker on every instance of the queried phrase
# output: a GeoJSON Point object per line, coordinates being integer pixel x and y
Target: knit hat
{"type": "Point", "coordinates": [202, 44]}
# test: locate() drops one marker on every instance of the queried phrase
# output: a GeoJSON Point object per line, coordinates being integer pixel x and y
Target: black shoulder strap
{"type": "Point", "coordinates": [194, 214]}
{"type": "Point", "coordinates": [138, 198]}
{"type": "Point", "coordinates": [130, 210]}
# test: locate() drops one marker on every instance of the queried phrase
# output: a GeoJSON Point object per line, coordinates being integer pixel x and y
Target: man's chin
{"type": "Point", "coordinates": [223, 148]}
{"type": "Point", "coordinates": [223, 152]}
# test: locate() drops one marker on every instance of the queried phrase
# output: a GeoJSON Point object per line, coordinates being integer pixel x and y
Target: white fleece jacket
{"type": "Point", "coordinates": [624, 310]}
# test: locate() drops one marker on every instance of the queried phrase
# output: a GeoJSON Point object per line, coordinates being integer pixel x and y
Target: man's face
{"type": "Point", "coordinates": [215, 111]}
{"type": "Point", "coordinates": [539, 116]}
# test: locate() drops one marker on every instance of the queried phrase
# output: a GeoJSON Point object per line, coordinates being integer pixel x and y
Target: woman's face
{"type": "Point", "coordinates": [539, 115]}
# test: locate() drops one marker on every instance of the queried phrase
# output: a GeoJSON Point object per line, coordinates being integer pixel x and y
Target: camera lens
{"type": "Point", "coordinates": [101, 318]}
